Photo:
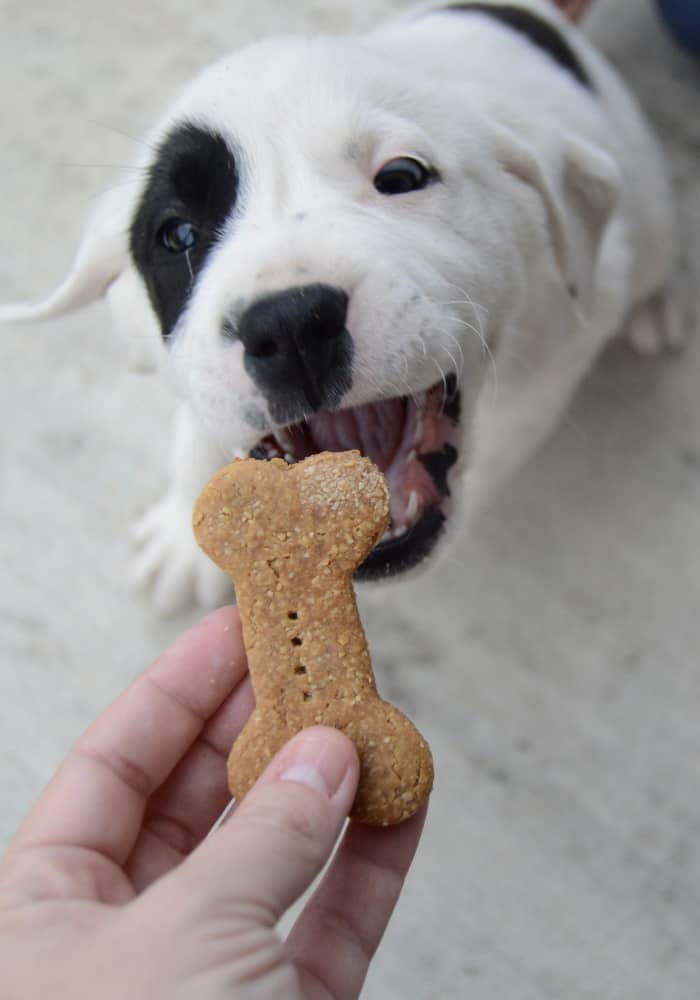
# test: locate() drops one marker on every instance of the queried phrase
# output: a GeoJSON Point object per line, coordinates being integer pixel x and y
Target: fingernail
{"type": "Point", "coordinates": [315, 760]}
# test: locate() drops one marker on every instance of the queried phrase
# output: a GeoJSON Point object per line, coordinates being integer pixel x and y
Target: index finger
{"type": "Point", "coordinates": [97, 798]}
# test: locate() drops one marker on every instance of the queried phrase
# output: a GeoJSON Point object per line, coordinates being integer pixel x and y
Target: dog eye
{"type": "Point", "coordinates": [177, 235]}
{"type": "Point", "coordinates": [402, 175]}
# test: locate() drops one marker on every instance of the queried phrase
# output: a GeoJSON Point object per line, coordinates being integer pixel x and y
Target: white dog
{"type": "Point", "coordinates": [414, 242]}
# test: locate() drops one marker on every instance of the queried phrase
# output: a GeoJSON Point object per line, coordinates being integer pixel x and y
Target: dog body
{"type": "Point", "coordinates": [414, 242]}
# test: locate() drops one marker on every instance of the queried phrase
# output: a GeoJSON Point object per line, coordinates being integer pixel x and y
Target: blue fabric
{"type": "Point", "coordinates": [683, 20]}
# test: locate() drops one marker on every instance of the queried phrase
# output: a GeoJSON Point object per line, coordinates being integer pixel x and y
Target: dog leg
{"type": "Point", "coordinates": [169, 561]}
{"type": "Point", "coordinates": [654, 326]}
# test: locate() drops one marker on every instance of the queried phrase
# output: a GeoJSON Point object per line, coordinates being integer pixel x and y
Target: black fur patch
{"type": "Point", "coordinates": [438, 464]}
{"type": "Point", "coordinates": [541, 33]}
{"type": "Point", "coordinates": [193, 178]}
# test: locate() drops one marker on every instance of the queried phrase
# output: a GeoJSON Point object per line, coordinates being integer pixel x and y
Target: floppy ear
{"type": "Point", "coordinates": [134, 320]}
{"type": "Point", "coordinates": [103, 267]}
{"type": "Point", "coordinates": [579, 185]}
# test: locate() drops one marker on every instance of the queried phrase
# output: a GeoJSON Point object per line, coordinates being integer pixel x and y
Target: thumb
{"type": "Point", "coordinates": [279, 838]}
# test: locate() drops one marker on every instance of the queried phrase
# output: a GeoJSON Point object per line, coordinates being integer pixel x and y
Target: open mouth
{"type": "Point", "coordinates": [413, 440]}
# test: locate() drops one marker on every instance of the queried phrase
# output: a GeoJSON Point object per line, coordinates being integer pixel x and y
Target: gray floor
{"type": "Point", "coordinates": [554, 661]}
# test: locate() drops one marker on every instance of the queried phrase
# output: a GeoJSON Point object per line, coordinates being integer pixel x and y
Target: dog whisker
{"type": "Point", "coordinates": [468, 301]}
{"type": "Point", "coordinates": [132, 167]}
{"type": "Point", "coordinates": [189, 267]}
{"type": "Point", "coordinates": [450, 317]}
{"type": "Point", "coordinates": [136, 140]}
{"type": "Point", "coordinates": [486, 349]}
{"type": "Point", "coordinates": [126, 182]}
{"type": "Point", "coordinates": [380, 387]}
{"type": "Point", "coordinates": [466, 297]}
{"type": "Point", "coordinates": [458, 366]}
{"type": "Point", "coordinates": [443, 378]}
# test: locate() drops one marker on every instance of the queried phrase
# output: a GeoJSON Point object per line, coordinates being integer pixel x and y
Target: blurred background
{"type": "Point", "coordinates": [552, 662]}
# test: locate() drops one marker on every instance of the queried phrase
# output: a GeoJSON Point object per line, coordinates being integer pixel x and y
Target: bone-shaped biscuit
{"type": "Point", "coordinates": [290, 538]}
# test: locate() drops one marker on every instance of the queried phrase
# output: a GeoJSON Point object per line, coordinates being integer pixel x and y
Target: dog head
{"type": "Point", "coordinates": [322, 246]}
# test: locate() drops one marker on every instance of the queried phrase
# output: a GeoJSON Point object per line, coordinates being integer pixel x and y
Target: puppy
{"type": "Point", "coordinates": [414, 242]}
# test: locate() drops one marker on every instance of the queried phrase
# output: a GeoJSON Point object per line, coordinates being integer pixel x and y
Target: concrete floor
{"type": "Point", "coordinates": [552, 663]}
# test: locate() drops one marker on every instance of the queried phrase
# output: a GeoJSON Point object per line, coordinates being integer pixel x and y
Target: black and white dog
{"type": "Point", "coordinates": [414, 242]}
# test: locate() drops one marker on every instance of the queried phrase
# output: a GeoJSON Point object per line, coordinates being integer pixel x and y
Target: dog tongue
{"type": "Point", "coordinates": [376, 430]}
{"type": "Point", "coordinates": [411, 440]}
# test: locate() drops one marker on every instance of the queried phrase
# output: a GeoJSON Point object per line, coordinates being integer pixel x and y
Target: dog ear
{"type": "Point", "coordinates": [103, 268]}
{"type": "Point", "coordinates": [579, 185]}
{"type": "Point", "coordinates": [134, 320]}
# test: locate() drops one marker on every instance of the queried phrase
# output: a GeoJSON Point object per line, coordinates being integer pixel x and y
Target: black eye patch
{"type": "Point", "coordinates": [190, 192]}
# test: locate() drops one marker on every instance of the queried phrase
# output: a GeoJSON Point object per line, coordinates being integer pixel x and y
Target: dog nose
{"type": "Point", "coordinates": [298, 350]}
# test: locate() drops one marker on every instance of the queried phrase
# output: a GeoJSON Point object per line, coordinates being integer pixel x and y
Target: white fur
{"type": "Point", "coordinates": [545, 188]}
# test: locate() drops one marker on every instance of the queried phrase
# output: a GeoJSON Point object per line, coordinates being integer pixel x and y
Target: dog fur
{"type": "Point", "coordinates": [547, 231]}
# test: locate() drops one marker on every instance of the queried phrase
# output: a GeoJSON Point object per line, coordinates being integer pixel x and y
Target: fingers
{"type": "Point", "coordinates": [341, 926]}
{"type": "Point", "coordinates": [233, 889]}
{"type": "Point", "coordinates": [97, 798]}
{"type": "Point", "coordinates": [278, 839]}
{"type": "Point", "coordinates": [181, 813]}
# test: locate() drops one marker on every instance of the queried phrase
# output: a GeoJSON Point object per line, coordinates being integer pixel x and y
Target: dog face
{"type": "Point", "coordinates": [303, 254]}
{"type": "Point", "coordinates": [323, 249]}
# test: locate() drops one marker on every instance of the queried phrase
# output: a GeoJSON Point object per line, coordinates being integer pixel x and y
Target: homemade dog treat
{"type": "Point", "coordinates": [290, 537]}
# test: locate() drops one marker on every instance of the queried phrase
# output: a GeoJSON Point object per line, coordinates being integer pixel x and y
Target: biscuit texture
{"type": "Point", "coordinates": [291, 537]}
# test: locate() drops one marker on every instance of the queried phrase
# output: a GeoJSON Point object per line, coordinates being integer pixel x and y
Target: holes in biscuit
{"type": "Point", "coordinates": [301, 669]}
{"type": "Point", "coordinates": [292, 615]}
{"type": "Point", "coordinates": [296, 641]}
{"type": "Point", "coordinates": [307, 696]}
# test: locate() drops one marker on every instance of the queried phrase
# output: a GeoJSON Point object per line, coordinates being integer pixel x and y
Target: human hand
{"type": "Point", "coordinates": [112, 889]}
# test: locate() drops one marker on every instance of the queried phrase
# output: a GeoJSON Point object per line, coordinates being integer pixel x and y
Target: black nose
{"type": "Point", "coordinates": [297, 349]}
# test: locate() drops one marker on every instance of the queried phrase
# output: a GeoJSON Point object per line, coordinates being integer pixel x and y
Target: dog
{"type": "Point", "coordinates": [414, 242]}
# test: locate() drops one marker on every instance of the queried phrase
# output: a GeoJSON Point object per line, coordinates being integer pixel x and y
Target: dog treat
{"type": "Point", "coordinates": [290, 538]}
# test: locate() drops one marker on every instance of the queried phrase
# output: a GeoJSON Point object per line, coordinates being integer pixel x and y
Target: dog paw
{"type": "Point", "coordinates": [654, 327]}
{"type": "Point", "coordinates": [171, 565]}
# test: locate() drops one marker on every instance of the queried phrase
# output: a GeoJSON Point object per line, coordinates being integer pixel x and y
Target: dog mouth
{"type": "Point", "coordinates": [413, 440]}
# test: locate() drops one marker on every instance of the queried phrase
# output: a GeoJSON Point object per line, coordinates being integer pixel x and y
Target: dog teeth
{"type": "Point", "coordinates": [411, 457]}
{"type": "Point", "coordinates": [393, 533]}
{"type": "Point", "coordinates": [418, 436]}
{"type": "Point", "coordinates": [412, 506]}
{"type": "Point", "coordinates": [289, 458]}
{"type": "Point", "coordinates": [284, 440]}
